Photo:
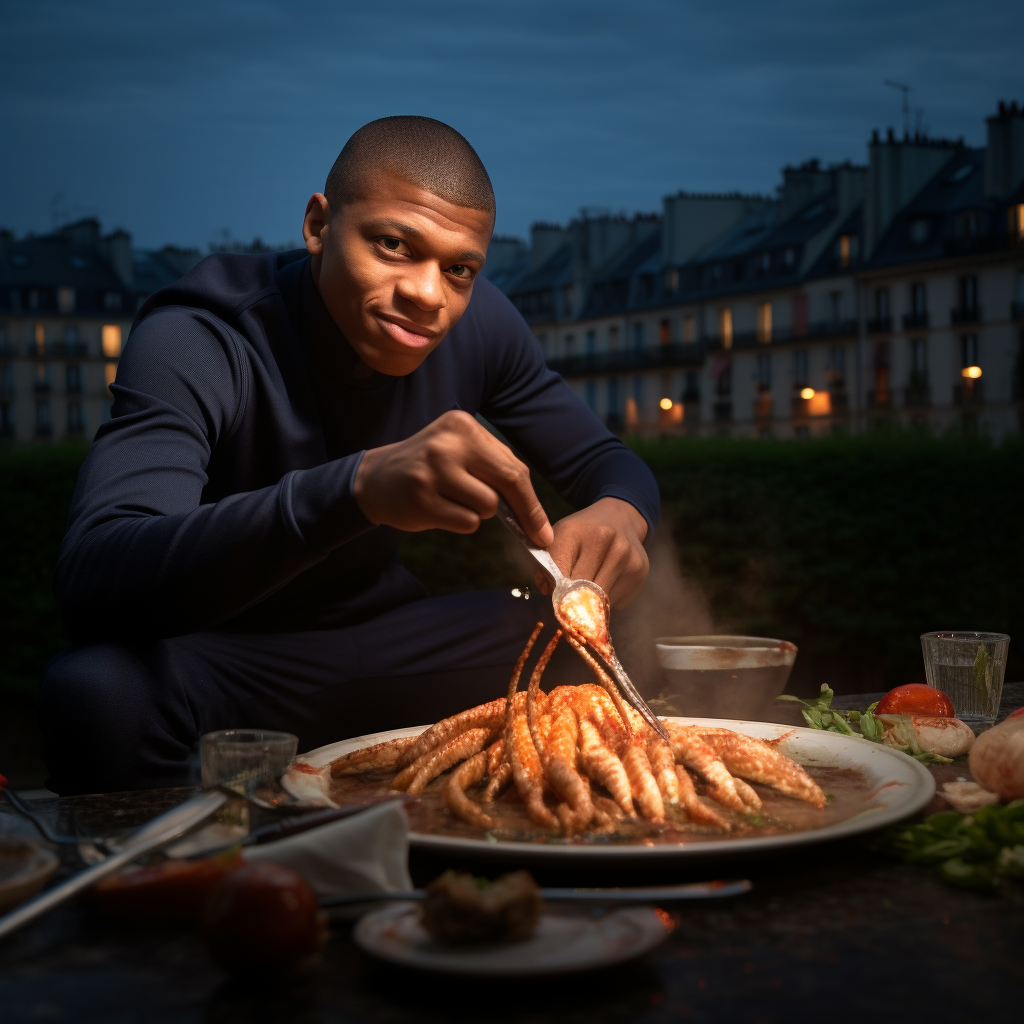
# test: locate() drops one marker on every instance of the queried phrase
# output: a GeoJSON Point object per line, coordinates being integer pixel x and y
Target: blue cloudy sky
{"type": "Point", "coordinates": [179, 121]}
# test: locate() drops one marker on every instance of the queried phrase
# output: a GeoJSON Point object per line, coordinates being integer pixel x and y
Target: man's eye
{"type": "Point", "coordinates": [392, 244]}
{"type": "Point", "coordinates": [460, 270]}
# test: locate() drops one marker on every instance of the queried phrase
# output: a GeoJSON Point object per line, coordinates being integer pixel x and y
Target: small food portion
{"type": "Point", "coordinates": [975, 851]}
{"type": "Point", "coordinates": [916, 699]}
{"type": "Point", "coordinates": [997, 759]}
{"type": "Point", "coordinates": [460, 910]}
{"type": "Point", "coordinates": [173, 890]}
{"type": "Point", "coordinates": [932, 739]}
{"type": "Point", "coordinates": [264, 918]}
{"type": "Point", "coordinates": [967, 797]}
{"type": "Point", "coordinates": [583, 610]}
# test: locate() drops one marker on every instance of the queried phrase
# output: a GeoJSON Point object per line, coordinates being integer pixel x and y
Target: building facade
{"type": "Point", "coordinates": [892, 291]}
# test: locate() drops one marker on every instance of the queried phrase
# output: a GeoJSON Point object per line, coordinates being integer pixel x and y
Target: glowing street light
{"type": "Point", "coordinates": [971, 372]}
{"type": "Point", "coordinates": [666, 404]}
{"type": "Point", "coordinates": [807, 393]}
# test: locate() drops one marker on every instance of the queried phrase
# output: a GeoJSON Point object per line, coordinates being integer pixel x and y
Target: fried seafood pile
{"type": "Point", "coordinates": [581, 759]}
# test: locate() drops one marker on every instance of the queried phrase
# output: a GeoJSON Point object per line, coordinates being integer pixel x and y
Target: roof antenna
{"type": "Point", "coordinates": [905, 89]}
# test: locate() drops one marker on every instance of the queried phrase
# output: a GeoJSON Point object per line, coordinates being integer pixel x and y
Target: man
{"type": "Point", "coordinates": [278, 421]}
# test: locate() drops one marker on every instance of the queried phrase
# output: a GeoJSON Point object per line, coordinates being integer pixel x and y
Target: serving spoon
{"type": "Point", "coordinates": [601, 644]}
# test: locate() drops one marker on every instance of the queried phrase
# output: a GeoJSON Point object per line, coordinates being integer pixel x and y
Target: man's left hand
{"type": "Point", "coordinates": [603, 543]}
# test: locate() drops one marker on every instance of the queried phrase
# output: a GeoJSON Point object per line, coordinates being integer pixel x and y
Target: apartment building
{"type": "Point", "coordinates": [888, 291]}
{"type": "Point", "coordinates": [67, 302]}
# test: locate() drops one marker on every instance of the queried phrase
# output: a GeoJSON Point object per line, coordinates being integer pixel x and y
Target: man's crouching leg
{"type": "Point", "coordinates": [114, 718]}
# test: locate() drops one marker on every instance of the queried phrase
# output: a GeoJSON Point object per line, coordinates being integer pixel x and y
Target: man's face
{"type": "Point", "coordinates": [396, 269]}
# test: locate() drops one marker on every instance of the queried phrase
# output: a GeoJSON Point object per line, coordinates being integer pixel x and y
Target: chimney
{"type": "Point", "coordinates": [693, 221]}
{"type": "Point", "coordinates": [503, 249]}
{"type": "Point", "coordinates": [545, 241]}
{"type": "Point", "coordinates": [897, 170]}
{"type": "Point", "coordinates": [84, 233]}
{"type": "Point", "coordinates": [117, 248]}
{"type": "Point", "coordinates": [1004, 154]}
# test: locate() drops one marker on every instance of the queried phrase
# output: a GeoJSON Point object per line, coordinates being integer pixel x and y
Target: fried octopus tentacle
{"type": "Point", "coordinates": [695, 808]}
{"type": "Point", "coordinates": [467, 774]}
{"type": "Point", "coordinates": [489, 715]}
{"type": "Point", "coordinates": [527, 772]}
{"type": "Point", "coordinates": [604, 766]}
{"type": "Point", "coordinates": [513, 685]}
{"type": "Point", "coordinates": [380, 755]}
{"type": "Point", "coordinates": [496, 784]}
{"type": "Point", "coordinates": [757, 761]}
{"type": "Point", "coordinates": [642, 781]}
{"type": "Point", "coordinates": [691, 750]}
{"type": "Point", "coordinates": [559, 760]}
{"type": "Point", "coordinates": [534, 694]}
{"type": "Point", "coordinates": [663, 767]}
{"type": "Point", "coordinates": [747, 793]}
{"type": "Point", "coordinates": [603, 678]}
{"type": "Point", "coordinates": [466, 744]}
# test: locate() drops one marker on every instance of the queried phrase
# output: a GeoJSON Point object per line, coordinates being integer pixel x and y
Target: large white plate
{"type": "Point", "coordinates": [560, 944]}
{"type": "Point", "coordinates": [900, 787]}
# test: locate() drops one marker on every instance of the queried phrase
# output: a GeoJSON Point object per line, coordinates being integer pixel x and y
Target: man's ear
{"type": "Point", "coordinates": [314, 224]}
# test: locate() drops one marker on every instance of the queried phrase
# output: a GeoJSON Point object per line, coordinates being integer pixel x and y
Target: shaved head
{"type": "Point", "coordinates": [419, 150]}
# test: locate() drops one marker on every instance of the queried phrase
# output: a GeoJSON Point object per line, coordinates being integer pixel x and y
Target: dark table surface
{"type": "Point", "coordinates": [830, 933]}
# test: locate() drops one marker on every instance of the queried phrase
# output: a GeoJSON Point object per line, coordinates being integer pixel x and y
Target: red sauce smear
{"type": "Point", "coordinates": [308, 769]}
{"type": "Point", "coordinates": [884, 785]}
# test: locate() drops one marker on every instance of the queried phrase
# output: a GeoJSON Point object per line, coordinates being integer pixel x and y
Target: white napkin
{"type": "Point", "coordinates": [366, 853]}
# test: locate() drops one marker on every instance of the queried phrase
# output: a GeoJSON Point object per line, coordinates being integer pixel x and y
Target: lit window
{"type": "Point", "coordinates": [110, 373]}
{"type": "Point", "coordinates": [689, 330]}
{"type": "Point", "coordinates": [111, 340]}
{"type": "Point", "coordinates": [66, 300]}
{"type": "Point", "coordinates": [40, 336]}
{"type": "Point", "coordinates": [725, 327]}
{"type": "Point", "coordinates": [631, 413]}
{"type": "Point", "coordinates": [844, 250]}
{"type": "Point", "coordinates": [819, 404]}
{"type": "Point", "coordinates": [1017, 223]}
{"type": "Point", "coordinates": [764, 322]}
{"type": "Point", "coordinates": [672, 281]}
{"type": "Point", "coordinates": [665, 332]}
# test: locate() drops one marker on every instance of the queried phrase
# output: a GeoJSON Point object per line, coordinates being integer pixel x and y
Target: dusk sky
{"type": "Point", "coordinates": [180, 121]}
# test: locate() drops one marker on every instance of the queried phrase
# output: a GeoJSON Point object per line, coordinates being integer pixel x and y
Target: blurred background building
{"type": "Point", "coordinates": [857, 294]}
{"type": "Point", "coordinates": [892, 291]}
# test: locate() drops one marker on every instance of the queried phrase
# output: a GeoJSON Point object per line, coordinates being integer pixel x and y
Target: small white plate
{"type": "Point", "coordinates": [560, 944]}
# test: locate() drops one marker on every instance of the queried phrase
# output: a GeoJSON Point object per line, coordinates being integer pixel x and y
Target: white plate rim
{"type": "Point", "coordinates": [916, 787]}
{"type": "Point", "coordinates": [652, 932]}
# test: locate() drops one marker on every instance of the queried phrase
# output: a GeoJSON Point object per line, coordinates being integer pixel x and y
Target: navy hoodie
{"type": "Point", "coordinates": [219, 495]}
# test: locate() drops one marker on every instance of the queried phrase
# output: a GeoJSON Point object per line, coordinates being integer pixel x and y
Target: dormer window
{"type": "Point", "coordinates": [789, 257]}
{"type": "Point", "coordinates": [920, 229]}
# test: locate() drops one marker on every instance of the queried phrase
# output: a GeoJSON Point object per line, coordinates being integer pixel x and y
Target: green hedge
{"type": "Point", "coordinates": [852, 546]}
{"type": "Point", "coordinates": [849, 546]}
{"type": "Point", "coordinates": [36, 485]}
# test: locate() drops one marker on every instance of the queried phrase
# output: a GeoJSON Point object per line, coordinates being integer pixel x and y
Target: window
{"type": "Point", "coordinates": [764, 322]}
{"type": "Point", "coordinates": [843, 250]}
{"type": "Point", "coordinates": [799, 316]}
{"type": "Point", "coordinates": [111, 337]}
{"type": "Point", "coordinates": [1016, 219]}
{"type": "Point", "coordinates": [969, 351]}
{"type": "Point", "coordinates": [689, 330]}
{"type": "Point", "coordinates": [613, 339]}
{"type": "Point", "coordinates": [39, 338]}
{"type": "Point", "coordinates": [765, 262]}
{"type": "Point", "coordinates": [800, 373]}
{"type": "Point", "coordinates": [638, 337]}
{"type": "Point", "coordinates": [835, 306]}
{"type": "Point", "coordinates": [66, 300]}
{"type": "Point", "coordinates": [672, 281]}
{"type": "Point", "coordinates": [837, 366]}
{"type": "Point", "coordinates": [918, 298]}
{"type": "Point", "coordinates": [7, 379]}
{"type": "Point", "coordinates": [570, 345]}
{"type": "Point", "coordinates": [591, 342]}
{"type": "Point", "coordinates": [725, 327]}
{"type": "Point", "coordinates": [918, 362]}
{"type": "Point", "coordinates": [33, 299]}
{"type": "Point", "coordinates": [614, 401]}
{"type": "Point", "coordinates": [723, 379]}
{"type": "Point", "coordinates": [639, 393]}
{"type": "Point", "coordinates": [691, 387]}
{"type": "Point", "coordinates": [789, 257]}
{"type": "Point", "coordinates": [43, 418]}
{"type": "Point", "coordinates": [665, 332]}
{"type": "Point", "coordinates": [763, 374]}
{"type": "Point", "coordinates": [920, 229]}
{"type": "Point", "coordinates": [968, 293]}
{"type": "Point", "coordinates": [73, 379]}
{"type": "Point", "coordinates": [76, 424]}
{"type": "Point", "coordinates": [590, 390]}
{"type": "Point", "coordinates": [111, 300]}
{"type": "Point", "coordinates": [542, 339]}
{"type": "Point", "coordinates": [42, 381]}
{"type": "Point", "coordinates": [881, 303]}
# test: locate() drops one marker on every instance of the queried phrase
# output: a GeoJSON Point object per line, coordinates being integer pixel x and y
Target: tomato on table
{"type": "Point", "coordinates": [916, 699]}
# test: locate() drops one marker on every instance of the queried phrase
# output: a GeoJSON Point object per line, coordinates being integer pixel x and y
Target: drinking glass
{"type": "Point", "coordinates": [968, 667]}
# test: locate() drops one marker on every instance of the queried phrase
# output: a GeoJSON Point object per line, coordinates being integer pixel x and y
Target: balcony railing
{"type": "Point", "coordinates": [965, 315]}
{"type": "Point", "coordinates": [918, 396]}
{"type": "Point", "coordinates": [970, 393]}
{"type": "Point", "coordinates": [675, 354]}
{"type": "Point", "coordinates": [722, 411]}
{"type": "Point", "coordinates": [880, 325]}
{"type": "Point", "coordinates": [914, 320]}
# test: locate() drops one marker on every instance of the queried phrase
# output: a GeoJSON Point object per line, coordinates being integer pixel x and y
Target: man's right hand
{"type": "Point", "coordinates": [447, 477]}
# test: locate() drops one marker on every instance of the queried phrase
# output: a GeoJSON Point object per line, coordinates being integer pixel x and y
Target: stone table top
{"type": "Point", "coordinates": [830, 933]}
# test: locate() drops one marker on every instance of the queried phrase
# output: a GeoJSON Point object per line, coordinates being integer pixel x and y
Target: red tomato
{"type": "Point", "coordinates": [916, 699]}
